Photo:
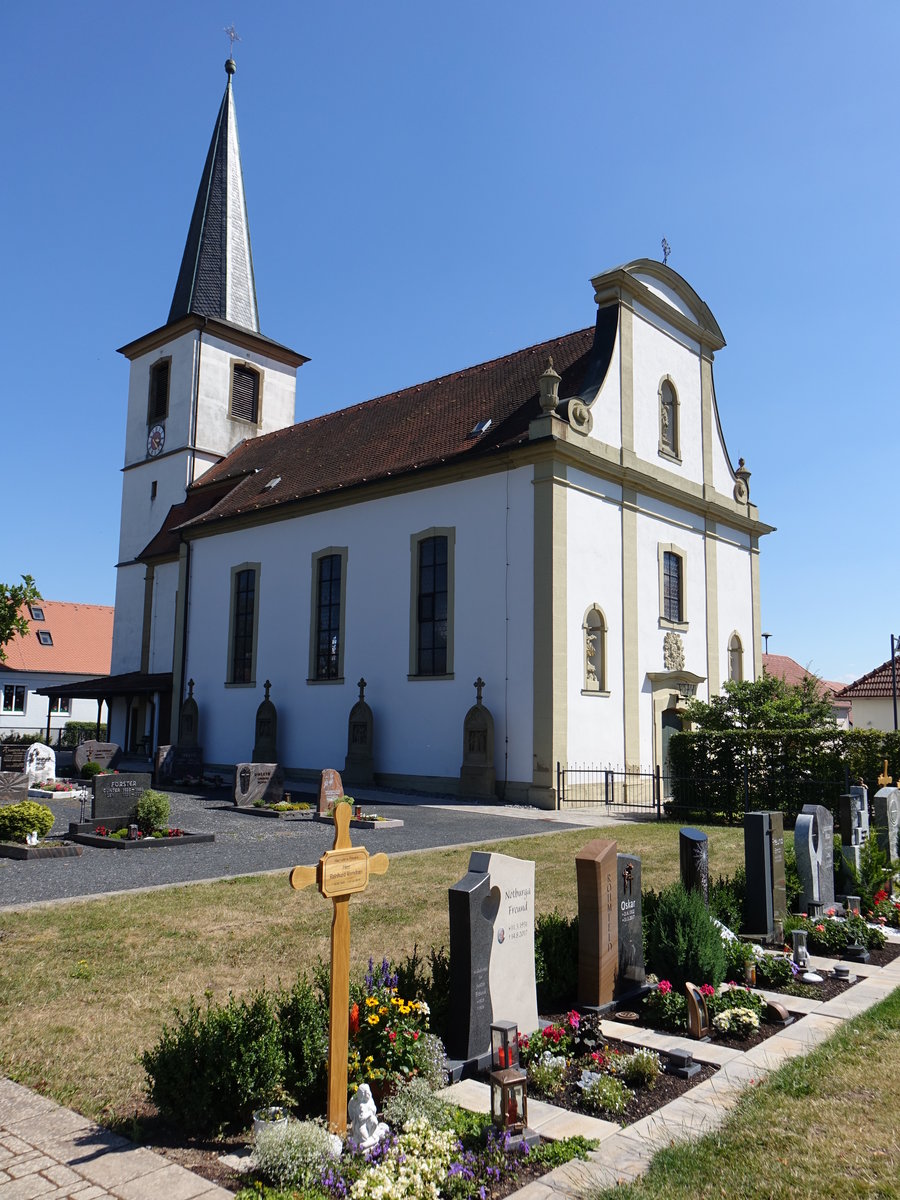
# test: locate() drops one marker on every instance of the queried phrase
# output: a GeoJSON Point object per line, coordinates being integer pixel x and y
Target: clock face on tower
{"type": "Point", "coordinates": [156, 439]}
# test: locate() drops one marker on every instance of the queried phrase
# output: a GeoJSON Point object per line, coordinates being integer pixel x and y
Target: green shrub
{"type": "Point", "coordinates": [640, 1069]}
{"type": "Point", "coordinates": [152, 810]}
{"type": "Point", "coordinates": [738, 997]}
{"type": "Point", "coordinates": [76, 732]}
{"type": "Point", "coordinates": [685, 944]}
{"type": "Point", "coordinates": [607, 1094]}
{"type": "Point", "coordinates": [555, 958]}
{"type": "Point", "coordinates": [303, 1016]}
{"type": "Point", "coordinates": [428, 981]}
{"type": "Point", "coordinates": [773, 971]}
{"type": "Point", "coordinates": [412, 1099]}
{"type": "Point", "coordinates": [666, 1008]}
{"type": "Point", "coordinates": [293, 1157]}
{"type": "Point", "coordinates": [211, 1068]}
{"type": "Point", "coordinates": [90, 769]}
{"type": "Point", "coordinates": [18, 820]}
{"type": "Point", "coordinates": [548, 1073]}
{"type": "Point", "coordinates": [791, 876]}
{"type": "Point", "coordinates": [726, 899]}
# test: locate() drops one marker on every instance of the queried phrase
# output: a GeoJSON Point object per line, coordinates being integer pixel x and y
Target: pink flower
{"type": "Point", "coordinates": [573, 1019]}
{"type": "Point", "coordinates": [829, 912]}
{"type": "Point", "coordinates": [664, 986]}
{"type": "Point", "coordinates": [820, 928]}
{"type": "Point", "coordinates": [707, 989]}
{"type": "Point", "coordinates": [392, 1037]}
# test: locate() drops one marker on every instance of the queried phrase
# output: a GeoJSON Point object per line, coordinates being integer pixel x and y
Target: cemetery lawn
{"type": "Point", "coordinates": [823, 1125]}
{"type": "Point", "coordinates": [85, 987]}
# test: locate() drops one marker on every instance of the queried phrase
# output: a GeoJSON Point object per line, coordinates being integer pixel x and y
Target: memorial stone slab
{"type": "Point", "coordinates": [331, 788]}
{"type": "Point", "coordinates": [472, 914]}
{"type": "Point", "coordinates": [265, 745]}
{"type": "Point", "coordinates": [258, 781]}
{"type": "Point", "coordinates": [359, 765]}
{"type": "Point", "coordinates": [814, 848]}
{"type": "Point", "coordinates": [13, 787]}
{"type": "Point", "coordinates": [40, 763]}
{"type": "Point", "coordinates": [107, 754]}
{"type": "Point", "coordinates": [631, 975]}
{"type": "Point", "coordinates": [886, 807]}
{"type": "Point", "coordinates": [477, 776]}
{"type": "Point", "coordinates": [694, 854]}
{"type": "Point", "coordinates": [12, 757]}
{"type": "Point", "coordinates": [117, 795]}
{"type": "Point", "coordinates": [596, 873]}
{"type": "Point", "coordinates": [189, 722]}
{"type": "Point", "coordinates": [178, 762]}
{"type": "Point", "coordinates": [765, 898]}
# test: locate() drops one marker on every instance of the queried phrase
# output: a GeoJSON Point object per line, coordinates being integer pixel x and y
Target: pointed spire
{"type": "Point", "coordinates": [216, 276]}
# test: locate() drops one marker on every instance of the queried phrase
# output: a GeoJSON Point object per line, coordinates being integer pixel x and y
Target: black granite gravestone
{"type": "Point", "coordinates": [694, 854]}
{"type": "Point", "coordinates": [631, 975]}
{"type": "Point", "coordinates": [472, 913]}
{"type": "Point", "coordinates": [12, 757]}
{"type": "Point", "coordinates": [265, 746]}
{"type": "Point", "coordinates": [178, 762]}
{"type": "Point", "coordinates": [763, 843]}
{"type": "Point", "coordinates": [116, 795]}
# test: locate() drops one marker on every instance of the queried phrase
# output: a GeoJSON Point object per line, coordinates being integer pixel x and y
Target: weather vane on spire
{"type": "Point", "coordinates": [230, 31]}
{"type": "Point", "coordinates": [666, 248]}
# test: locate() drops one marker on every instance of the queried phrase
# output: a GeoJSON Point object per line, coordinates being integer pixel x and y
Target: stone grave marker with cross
{"type": "Point", "coordinates": [340, 873]}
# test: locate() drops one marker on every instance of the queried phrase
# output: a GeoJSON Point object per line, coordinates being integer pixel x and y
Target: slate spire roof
{"type": "Point", "coordinates": [216, 276]}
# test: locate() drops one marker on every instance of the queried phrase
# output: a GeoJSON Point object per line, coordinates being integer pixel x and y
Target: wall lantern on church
{"type": "Point", "coordinates": [509, 1100]}
{"type": "Point", "coordinates": [504, 1045]}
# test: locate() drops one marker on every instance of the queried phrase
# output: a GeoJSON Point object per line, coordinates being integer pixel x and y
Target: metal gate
{"type": "Point", "coordinates": [638, 793]}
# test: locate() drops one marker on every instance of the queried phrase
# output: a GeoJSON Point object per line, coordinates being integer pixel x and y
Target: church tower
{"type": "Point", "coordinates": [199, 385]}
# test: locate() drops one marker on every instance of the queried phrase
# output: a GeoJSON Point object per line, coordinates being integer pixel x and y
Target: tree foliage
{"type": "Point", "coordinates": [764, 703]}
{"type": "Point", "coordinates": [13, 598]}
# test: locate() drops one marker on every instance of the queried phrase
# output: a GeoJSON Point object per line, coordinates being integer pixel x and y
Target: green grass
{"type": "Point", "coordinates": [823, 1125]}
{"type": "Point", "coordinates": [85, 987]}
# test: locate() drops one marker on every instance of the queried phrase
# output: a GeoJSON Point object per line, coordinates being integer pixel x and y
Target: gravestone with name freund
{"type": "Point", "coordinates": [886, 820]}
{"type": "Point", "coordinates": [631, 975]}
{"type": "Point", "coordinates": [12, 757]}
{"type": "Point", "coordinates": [854, 814]}
{"type": "Point", "coordinates": [491, 952]}
{"type": "Point", "coordinates": [693, 847]}
{"type": "Point", "coordinates": [116, 795]}
{"type": "Point", "coordinates": [359, 765]}
{"type": "Point", "coordinates": [476, 775]}
{"type": "Point", "coordinates": [258, 781]}
{"type": "Point", "coordinates": [13, 787]}
{"type": "Point", "coordinates": [107, 754]}
{"type": "Point", "coordinates": [814, 849]}
{"type": "Point", "coordinates": [40, 763]}
{"type": "Point", "coordinates": [265, 746]}
{"type": "Point", "coordinates": [331, 788]}
{"type": "Point", "coordinates": [596, 878]}
{"type": "Point", "coordinates": [765, 896]}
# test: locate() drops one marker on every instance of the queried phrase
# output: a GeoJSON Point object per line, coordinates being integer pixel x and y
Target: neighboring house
{"type": "Point", "coordinates": [791, 672]}
{"type": "Point", "coordinates": [64, 642]}
{"type": "Point", "coordinates": [564, 522]}
{"type": "Point", "coordinates": [874, 697]}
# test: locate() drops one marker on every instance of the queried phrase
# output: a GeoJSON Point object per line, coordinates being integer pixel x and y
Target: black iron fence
{"type": "Point", "coordinates": [622, 791]}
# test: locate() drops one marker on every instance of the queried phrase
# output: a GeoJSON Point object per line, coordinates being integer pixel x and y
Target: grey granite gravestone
{"type": "Point", "coordinates": [765, 897]}
{"type": "Point", "coordinates": [40, 763]}
{"type": "Point", "coordinates": [13, 787]}
{"type": "Point", "coordinates": [854, 814]}
{"type": "Point", "coordinates": [631, 975]}
{"type": "Point", "coordinates": [265, 745]}
{"type": "Point", "coordinates": [359, 765]}
{"type": "Point", "coordinates": [498, 919]}
{"type": "Point", "coordinates": [189, 722]}
{"type": "Point", "coordinates": [107, 754]}
{"type": "Point", "coordinates": [12, 757]}
{"type": "Point", "coordinates": [178, 762]}
{"type": "Point", "coordinates": [886, 813]}
{"type": "Point", "coordinates": [117, 795]}
{"type": "Point", "coordinates": [258, 781]}
{"type": "Point", "coordinates": [814, 848]}
{"type": "Point", "coordinates": [693, 847]}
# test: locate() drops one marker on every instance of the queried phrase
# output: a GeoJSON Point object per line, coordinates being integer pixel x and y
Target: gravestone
{"type": "Point", "coordinates": [189, 722]}
{"type": "Point", "coordinates": [331, 788]}
{"type": "Point", "coordinates": [359, 765]}
{"type": "Point", "coordinates": [107, 754]}
{"type": "Point", "coordinates": [854, 814]}
{"type": "Point", "coordinates": [265, 746]}
{"type": "Point", "coordinates": [814, 848]}
{"type": "Point", "coordinates": [596, 874]}
{"type": "Point", "coordinates": [886, 806]}
{"type": "Point", "coordinates": [693, 847]}
{"type": "Point", "coordinates": [178, 762]}
{"type": "Point", "coordinates": [40, 763]}
{"type": "Point", "coordinates": [258, 781]}
{"type": "Point", "coordinates": [491, 952]}
{"type": "Point", "coordinates": [12, 757]}
{"type": "Point", "coordinates": [13, 787]}
{"type": "Point", "coordinates": [117, 795]}
{"type": "Point", "coordinates": [476, 775]}
{"type": "Point", "coordinates": [765, 897]}
{"type": "Point", "coordinates": [631, 975]}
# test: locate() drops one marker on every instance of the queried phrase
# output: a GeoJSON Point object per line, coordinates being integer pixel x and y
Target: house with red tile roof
{"type": "Point", "coordinates": [562, 524]}
{"type": "Point", "coordinates": [64, 642]}
{"type": "Point", "coordinates": [874, 697]}
{"type": "Point", "coordinates": [791, 672]}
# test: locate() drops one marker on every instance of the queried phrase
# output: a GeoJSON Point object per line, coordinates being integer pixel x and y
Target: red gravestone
{"type": "Point", "coordinates": [596, 872]}
{"type": "Point", "coordinates": [331, 789]}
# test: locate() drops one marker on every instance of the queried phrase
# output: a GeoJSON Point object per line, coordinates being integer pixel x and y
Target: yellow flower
{"type": "Point", "coordinates": [369, 1058]}
{"type": "Point", "coordinates": [395, 1000]}
{"type": "Point", "coordinates": [383, 1010]}
{"type": "Point", "coordinates": [404, 1008]}
{"type": "Point", "coordinates": [373, 1019]}
{"type": "Point", "coordinates": [371, 1002]}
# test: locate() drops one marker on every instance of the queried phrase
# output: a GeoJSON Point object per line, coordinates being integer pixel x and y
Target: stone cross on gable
{"type": "Point", "coordinates": [885, 780]}
{"type": "Point", "coordinates": [340, 872]}
{"type": "Point", "coordinates": [478, 685]}
{"type": "Point", "coordinates": [190, 689]}
{"type": "Point", "coordinates": [268, 686]}
{"type": "Point", "coordinates": [362, 689]}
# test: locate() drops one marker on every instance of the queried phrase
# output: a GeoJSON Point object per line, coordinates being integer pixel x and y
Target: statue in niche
{"type": "Point", "coordinates": [673, 652]}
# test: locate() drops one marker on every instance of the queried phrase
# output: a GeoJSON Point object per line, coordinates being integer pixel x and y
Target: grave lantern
{"type": "Point", "coordinates": [851, 904]}
{"type": "Point", "coordinates": [509, 1101]}
{"type": "Point", "coordinates": [504, 1045]}
{"type": "Point", "coordinates": [801, 954]}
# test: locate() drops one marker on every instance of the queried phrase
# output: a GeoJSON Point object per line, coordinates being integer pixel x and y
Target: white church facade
{"type": "Point", "coordinates": [564, 523]}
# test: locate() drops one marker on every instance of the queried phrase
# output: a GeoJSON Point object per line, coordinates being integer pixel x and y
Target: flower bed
{"type": "Point", "coordinates": [45, 849]}
{"type": "Point", "coordinates": [111, 833]}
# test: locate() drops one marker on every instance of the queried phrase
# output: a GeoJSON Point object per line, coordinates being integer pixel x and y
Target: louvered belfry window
{"type": "Point", "coordinates": [245, 393]}
{"type": "Point", "coordinates": [158, 407]}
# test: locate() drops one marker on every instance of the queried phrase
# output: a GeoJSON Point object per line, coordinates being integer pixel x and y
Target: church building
{"type": "Point", "coordinates": [563, 523]}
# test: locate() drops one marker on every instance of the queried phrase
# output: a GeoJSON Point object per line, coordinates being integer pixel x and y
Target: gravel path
{"type": "Point", "coordinates": [244, 845]}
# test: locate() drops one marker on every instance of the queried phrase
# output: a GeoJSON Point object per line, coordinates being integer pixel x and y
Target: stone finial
{"type": "Point", "coordinates": [190, 689]}
{"type": "Point", "coordinates": [743, 474]}
{"type": "Point", "coordinates": [268, 686]}
{"type": "Point", "coordinates": [549, 385]}
{"type": "Point", "coordinates": [362, 689]}
{"type": "Point", "coordinates": [478, 685]}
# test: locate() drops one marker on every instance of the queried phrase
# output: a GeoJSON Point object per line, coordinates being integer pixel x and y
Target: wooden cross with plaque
{"type": "Point", "coordinates": [341, 871]}
{"type": "Point", "coordinates": [885, 780]}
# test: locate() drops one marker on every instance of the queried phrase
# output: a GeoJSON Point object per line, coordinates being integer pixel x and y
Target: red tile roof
{"type": "Point", "coordinates": [791, 672]}
{"type": "Point", "coordinates": [407, 431]}
{"type": "Point", "coordinates": [876, 685]}
{"type": "Point", "coordinates": [82, 640]}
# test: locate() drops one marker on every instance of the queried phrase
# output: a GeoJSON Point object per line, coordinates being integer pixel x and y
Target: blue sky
{"type": "Point", "coordinates": [432, 186]}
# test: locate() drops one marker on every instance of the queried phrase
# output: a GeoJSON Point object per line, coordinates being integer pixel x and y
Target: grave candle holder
{"type": "Point", "coordinates": [509, 1100]}
{"type": "Point", "coordinates": [801, 954]}
{"type": "Point", "coordinates": [504, 1045]}
{"type": "Point", "coordinates": [852, 905]}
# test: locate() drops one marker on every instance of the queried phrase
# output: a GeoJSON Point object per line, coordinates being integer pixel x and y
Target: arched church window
{"type": "Point", "coordinates": [594, 633]}
{"type": "Point", "coordinates": [668, 419]}
{"type": "Point", "coordinates": [735, 658]}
